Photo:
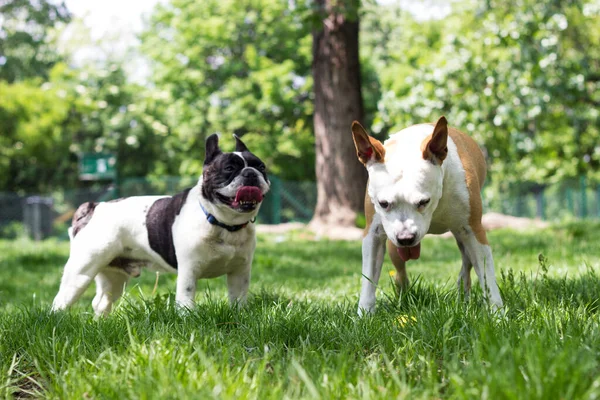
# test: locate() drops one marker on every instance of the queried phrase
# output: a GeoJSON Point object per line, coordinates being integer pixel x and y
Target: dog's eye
{"type": "Point", "coordinates": [384, 204]}
{"type": "Point", "coordinates": [262, 168]}
{"type": "Point", "coordinates": [229, 169]}
{"type": "Point", "coordinates": [423, 203]}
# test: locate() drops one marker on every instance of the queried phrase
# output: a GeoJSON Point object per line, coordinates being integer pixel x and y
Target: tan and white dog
{"type": "Point", "coordinates": [426, 178]}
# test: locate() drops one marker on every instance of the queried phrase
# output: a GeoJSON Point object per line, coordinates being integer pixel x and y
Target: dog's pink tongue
{"type": "Point", "coordinates": [248, 193]}
{"type": "Point", "coordinates": [409, 253]}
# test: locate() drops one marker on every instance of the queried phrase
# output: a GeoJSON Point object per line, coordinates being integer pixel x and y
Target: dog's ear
{"type": "Point", "coordinates": [435, 147]}
{"type": "Point", "coordinates": [239, 145]}
{"type": "Point", "coordinates": [212, 148]}
{"type": "Point", "coordinates": [367, 147]}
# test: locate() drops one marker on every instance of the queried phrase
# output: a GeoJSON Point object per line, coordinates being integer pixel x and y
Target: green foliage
{"type": "Point", "coordinates": [32, 138]}
{"type": "Point", "coordinates": [235, 67]}
{"type": "Point", "coordinates": [13, 230]}
{"type": "Point", "coordinates": [522, 78]}
{"type": "Point", "coordinates": [299, 337]}
{"type": "Point", "coordinates": [109, 114]}
{"type": "Point", "coordinates": [44, 127]}
{"type": "Point", "coordinates": [25, 36]}
{"type": "Point", "coordinates": [53, 112]}
{"type": "Point", "coordinates": [361, 220]}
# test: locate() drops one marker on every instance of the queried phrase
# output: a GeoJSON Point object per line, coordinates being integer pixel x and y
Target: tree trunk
{"type": "Point", "coordinates": [341, 179]}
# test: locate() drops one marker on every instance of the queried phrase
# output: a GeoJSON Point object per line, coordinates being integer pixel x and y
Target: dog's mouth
{"type": "Point", "coordinates": [409, 253]}
{"type": "Point", "coordinates": [246, 199]}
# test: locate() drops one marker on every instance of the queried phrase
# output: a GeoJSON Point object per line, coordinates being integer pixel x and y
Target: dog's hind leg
{"type": "Point", "coordinates": [401, 276]}
{"type": "Point", "coordinates": [110, 284]}
{"type": "Point", "coordinates": [81, 268]}
{"type": "Point", "coordinates": [480, 254]}
{"type": "Point", "coordinates": [464, 277]}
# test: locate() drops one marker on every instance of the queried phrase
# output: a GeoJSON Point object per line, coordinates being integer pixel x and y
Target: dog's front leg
{"type": "Point", "coordinates": [237, 286]}
{"type": "Point", "coordinates": [186, 287]}
{"type": "Point", "coordinates": [373, 252]}
{"type": "Point", "coordinates": [479, 253]}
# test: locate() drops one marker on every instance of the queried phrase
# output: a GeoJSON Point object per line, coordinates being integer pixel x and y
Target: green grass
{"type": "Point", "coordinates": [299, 337]}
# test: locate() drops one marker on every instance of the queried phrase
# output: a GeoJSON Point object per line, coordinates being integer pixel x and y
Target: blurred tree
{"type": "Point", "coordinates": [522, 78]}
{"type": "Point", "coordinates": [234, 67]}
{"type": "Point", "coordinates": [25, 32]}
{"type": "Point", "coordinates": [32, 144]}
{"type": "Point", "coordinates": [109, 114]}
{"type": "Point", "coordinates": [45, 126]}
{"type": "Point", "coordinates": [341, 179]}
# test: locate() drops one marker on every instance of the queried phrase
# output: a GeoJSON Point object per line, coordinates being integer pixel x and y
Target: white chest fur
{"type": "Point", "coordinates": [208, 250]}
{"type": "Point", "coordinates": [223, 252]}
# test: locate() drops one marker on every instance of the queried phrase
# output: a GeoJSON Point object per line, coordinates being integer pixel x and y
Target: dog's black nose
{"type": "Point", "coordinates": [250, 177]}
{"type": "Point", "coordinates": [406, 239]}
{"type": "Point", "coordinates": [248, 173]}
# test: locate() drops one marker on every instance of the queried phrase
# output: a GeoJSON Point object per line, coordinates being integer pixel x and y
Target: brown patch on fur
{"type": "Point", "coordinates": [475, 171]}
{"type": "Point", "coordinates": [367, 147]}
{"type": "Point", "coordinates": [379, 149]}
{"type": "Point", "coordinates": [82, 216]}
{"type": "Point", "coordinates": [435, 146]}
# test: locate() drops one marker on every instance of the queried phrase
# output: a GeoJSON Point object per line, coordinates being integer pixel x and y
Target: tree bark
{"type": "Point", "coordinates": [341, 179]}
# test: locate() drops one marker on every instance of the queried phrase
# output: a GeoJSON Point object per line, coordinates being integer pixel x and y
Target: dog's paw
{"type": "Point", "coordinates": [184, 309]}
{"type": "Point", "coordinates": [238, 304]}
{"type": "Point", "coordinates": [365, 310]}
{"type": "Point", "coordinates": [58, 305]}
{"type": "Point", "coordinates": [498, 310]}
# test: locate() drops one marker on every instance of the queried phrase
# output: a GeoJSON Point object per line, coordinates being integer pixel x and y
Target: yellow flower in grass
{"type": "Point", "coordinates": [393, 273]}
{"type": "Point", "coordinates": [404, 319]}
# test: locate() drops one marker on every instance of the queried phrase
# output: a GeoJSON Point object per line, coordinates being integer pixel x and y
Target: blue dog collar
{"type": "Point", "coordinates": [213, 221]}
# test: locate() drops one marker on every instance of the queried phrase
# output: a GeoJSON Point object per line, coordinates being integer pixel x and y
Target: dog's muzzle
{"type": "Point", "coordinates": [406, 240]}
{"type": "Point", "coordinates": [408, 248]}
{"type": "Point", "coordinates": [250, 177]}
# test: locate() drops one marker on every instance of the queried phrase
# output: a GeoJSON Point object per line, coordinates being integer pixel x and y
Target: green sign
{"type": "Point", "coordinates": [97, 166]}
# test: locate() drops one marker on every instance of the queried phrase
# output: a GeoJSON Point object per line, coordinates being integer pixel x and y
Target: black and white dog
{"type": "Point", "coordinates": [203, 232]}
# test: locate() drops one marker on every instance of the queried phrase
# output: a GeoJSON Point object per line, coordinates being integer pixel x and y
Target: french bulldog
{"type": "Point", "coordinates": [426, 178]}
{"type": "Point", "coordinates": [203, 232]}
